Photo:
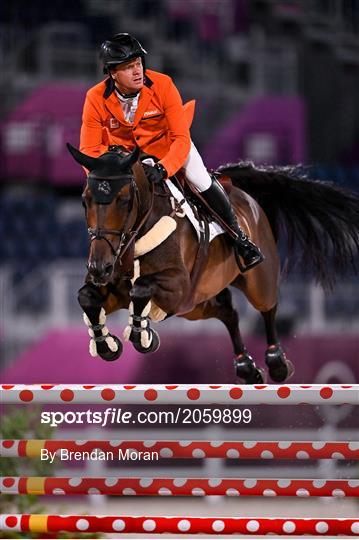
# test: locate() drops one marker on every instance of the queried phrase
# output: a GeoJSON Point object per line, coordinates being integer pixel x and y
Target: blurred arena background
{"type": "Point", "coordinates": [275, 82]}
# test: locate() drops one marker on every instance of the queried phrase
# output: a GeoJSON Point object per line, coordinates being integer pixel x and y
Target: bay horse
{"type": "Point", "coordinates": [142, 252]}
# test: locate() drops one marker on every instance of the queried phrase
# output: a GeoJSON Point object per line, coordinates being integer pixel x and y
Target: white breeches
{"type": "Point", "coordinates": [196, 172]}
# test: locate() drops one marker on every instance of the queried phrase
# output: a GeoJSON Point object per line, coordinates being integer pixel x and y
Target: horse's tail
{"type": "Point", "coordinates": [319, 219]}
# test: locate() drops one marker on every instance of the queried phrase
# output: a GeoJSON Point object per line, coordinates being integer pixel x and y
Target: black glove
{"type": "Point", "coordinates": [156, 173]}
{"type": "Point", "coordinates": [115, 148]}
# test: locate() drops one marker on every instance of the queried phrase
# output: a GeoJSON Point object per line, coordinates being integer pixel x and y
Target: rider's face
{"type": "Point", "coordinates": [129, 76]}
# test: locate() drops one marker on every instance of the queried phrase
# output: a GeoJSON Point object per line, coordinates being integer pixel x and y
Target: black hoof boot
{"type": "Point", "coordinates": [247, 370]}
{"type": "Point", "coordinates": [279, 366]}
{"type": "Point", "coordinates": [105, 352]}
{"type": "Point", "coordinates": [135, 338]}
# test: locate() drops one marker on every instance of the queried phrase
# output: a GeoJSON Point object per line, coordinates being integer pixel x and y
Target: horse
{"type": "Point", "coordinates": [143, 252]}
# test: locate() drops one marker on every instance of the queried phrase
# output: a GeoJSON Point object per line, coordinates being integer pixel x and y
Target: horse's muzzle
{"type": "Point", "coordinates": [100, 272]}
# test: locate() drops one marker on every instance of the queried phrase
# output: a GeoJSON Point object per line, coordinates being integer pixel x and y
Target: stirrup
{"type": "Point", "coordinates": [240, 261]}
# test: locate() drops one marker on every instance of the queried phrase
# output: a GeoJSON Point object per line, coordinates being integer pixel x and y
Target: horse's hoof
{"type": "Point", "coordinates": [154, 346]}
{"type": "Point", "coordinates": [106, 353]}
{"type": "Point", "coordinates": [247, 370]}
{"type": "Point", "coordinates": [257, 376]}
{"type": "Point", "coordinates": [280, 367]}
{"type": "Point", "coordinates": [155, 343]}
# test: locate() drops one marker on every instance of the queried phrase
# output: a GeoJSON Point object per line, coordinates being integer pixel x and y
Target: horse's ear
{"type": "Point", "coordinates": [87, 161]}
{"type": "Point", "coordinates": [129, 160]}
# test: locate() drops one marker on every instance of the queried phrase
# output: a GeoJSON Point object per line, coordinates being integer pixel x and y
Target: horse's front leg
{"type": "Point", "coordinates": [95, 304]}
{"type": "Point", "coordinates": [138, 331]}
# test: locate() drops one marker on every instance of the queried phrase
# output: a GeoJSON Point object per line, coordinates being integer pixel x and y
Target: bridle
{"type": "Point", "coordinates": [126, 236]}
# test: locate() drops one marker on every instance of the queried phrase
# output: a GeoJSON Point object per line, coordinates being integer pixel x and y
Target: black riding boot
{"type": "Point", "coordinates": [217, 198]}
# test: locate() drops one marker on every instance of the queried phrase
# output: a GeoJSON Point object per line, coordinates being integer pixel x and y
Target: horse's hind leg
{"type": "Point", "coordinates": [279, 366]}
{"type": "Point", "coordinates": [221, 308]}
{"type": "Point", "coordinates": [244, 364]}
{"type": "Point", "coordinates": [102, 343]}
{"type": "Point", "coordinates": [139, 332]}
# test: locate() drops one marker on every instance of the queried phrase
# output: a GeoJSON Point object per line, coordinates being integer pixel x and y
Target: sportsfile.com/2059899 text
{"type": "Point", "coordinates": [113, 415]}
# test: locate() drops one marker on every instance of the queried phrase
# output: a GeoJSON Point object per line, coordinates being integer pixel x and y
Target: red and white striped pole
{"type": "Point", "coordinates": [226, 394]}
{"type": "Point", "coordinates": [143, 486]}
{"type": "Point", "coordinates": [180, 525]}
{"type": "Point", "coordinates": [188, 449]}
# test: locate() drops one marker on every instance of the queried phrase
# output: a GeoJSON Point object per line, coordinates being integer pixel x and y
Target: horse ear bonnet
{"type": "Point", "coordinates": [108, 174]}
{"type": "Point", "coordinates": [87, 161]}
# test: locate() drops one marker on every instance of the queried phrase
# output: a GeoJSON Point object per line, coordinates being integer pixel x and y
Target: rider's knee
{"type": "Point", "coordinates": [196, 171]}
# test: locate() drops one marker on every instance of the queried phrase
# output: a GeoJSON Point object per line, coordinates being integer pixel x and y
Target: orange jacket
{"type": "Point", "coordinates": [160, 127]}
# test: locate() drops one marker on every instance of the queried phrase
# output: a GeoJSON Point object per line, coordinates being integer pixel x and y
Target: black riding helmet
{"type": "Point", "coordinates": [119, 49]}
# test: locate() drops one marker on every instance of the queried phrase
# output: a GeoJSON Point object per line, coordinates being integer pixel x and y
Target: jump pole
{"type": "Point", "coordinates": [180, 525]}
{"type": "Point", "coordinates": [142, 486]}
{"type": "Point", "coordinates": [315, 394]}
{"type": "Point", "coordinates": [186, 449]}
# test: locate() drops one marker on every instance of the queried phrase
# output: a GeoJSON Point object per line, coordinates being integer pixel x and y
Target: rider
{"type": "Point", "coordinates": [135, 106]}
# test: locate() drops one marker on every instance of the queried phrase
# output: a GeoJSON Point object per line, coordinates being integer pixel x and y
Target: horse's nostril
{"type": "Point", "coordinates": [99, 271]}
{"type": "Point", "coordinates": [108, 269]}
{"type": "Point", "coordinates": [93, 269]}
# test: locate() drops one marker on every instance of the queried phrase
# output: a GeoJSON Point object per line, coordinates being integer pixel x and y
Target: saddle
{"type": "Point", "coordinates": [199, 206]}
{"type": "Point", "coordinates": [224, 180]}
{"type": "Point", "coordinates": [194, 197]}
